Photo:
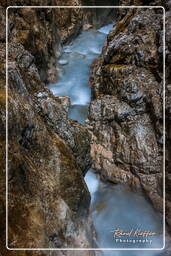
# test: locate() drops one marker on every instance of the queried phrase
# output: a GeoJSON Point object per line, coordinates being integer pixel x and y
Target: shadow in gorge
{"type": "Point", "coordinates": [99, 17]}
{"type": "Point", "coordinates": [112, 206]}
{"type": "Point", "coordinates": [100, 2]}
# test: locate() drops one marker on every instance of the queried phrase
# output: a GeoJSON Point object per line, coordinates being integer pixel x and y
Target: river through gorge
{"type": "Point", "coordinates": [113, 207]}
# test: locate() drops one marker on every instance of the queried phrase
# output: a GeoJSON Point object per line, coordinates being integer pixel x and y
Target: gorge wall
{"type": "Point", "coordinates": [49, 153]}
{"type": "Point", "coordinates": [126, 112]}
{"type": "Point", "coordinates": [48, 201]}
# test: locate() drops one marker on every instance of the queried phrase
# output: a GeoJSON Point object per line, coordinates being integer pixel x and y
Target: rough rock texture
{"type": "Point", "coordinates": [168, 112]}
{"type": "Point", "coordinates": [100, 16]}
{"type": "Point", "coordinates": [42, 31]}
{"type": "Point", "coordinates": [48, 198]}
{"type": "Point", "coordinates": [126, 113]}
{"type": "Point", "coordinates": [37, 30]}
{"type": "Point", "coordinates": [48, 201]}
{"type": "Point", "coordinates": [70, 20]}
{"type": "Point", "coordinates": [50, 211]}
{"type": "Point", "coordinates": [48, 154]}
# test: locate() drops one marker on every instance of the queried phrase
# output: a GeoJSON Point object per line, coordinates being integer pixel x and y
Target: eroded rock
{"type": "Point", "coordinates": [48, 202]}
{"type": "Point", "coordinates": [126, 114]}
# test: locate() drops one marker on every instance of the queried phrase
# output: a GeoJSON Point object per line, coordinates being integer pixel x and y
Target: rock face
{"type": "Point", "coordinates": [48, 200]}
{"type": "Point", "coordinates": [36, 29]}
{"type": "Point", "coordinates": [69, 20]}
{"type": "Point", "coordinates": [100, 16]}
{"type": "Point", "coordinates": [126, 113]}
{"type": "Point", "coordinates": [42, 31]}
{"type": "Point", "coordinates": [46, 186]}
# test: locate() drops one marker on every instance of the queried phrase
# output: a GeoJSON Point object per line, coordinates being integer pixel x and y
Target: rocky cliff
{"type": "Point", "coordinates": [48, 201]}
{"type": "Point", "coordinates": [42, 31]}
{"type": "Point", "coordinates": [49, 153]}
{"type": "Point", "coordinates": [126, 112]}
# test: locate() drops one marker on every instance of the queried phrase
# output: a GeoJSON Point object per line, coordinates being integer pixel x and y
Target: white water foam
{"type": "Point", "coordinates": [106, 29]}
{"type": "Point", "coordinates": [74, 69]}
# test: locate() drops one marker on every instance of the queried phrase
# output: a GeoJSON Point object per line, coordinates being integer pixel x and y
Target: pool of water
{"type": "Point", "coordinates": [116, 207]}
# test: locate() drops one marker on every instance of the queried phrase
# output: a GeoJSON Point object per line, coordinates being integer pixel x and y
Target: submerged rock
{"type": "Point", "coordinates": [87, 26]}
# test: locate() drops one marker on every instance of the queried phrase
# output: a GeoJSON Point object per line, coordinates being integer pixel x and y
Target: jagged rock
{"type": "Point", "coordinates": [48, 202]}
{"type": "Point", "coordinates": [87, 26]}
{"type": "Point", "coordinates": [75, 135]}
{"type": "Point", "coordinates": [48, 153]}
{"type": "Point", "coordinates": [70, 20]}
{"type": "Point", "coordinates": [125, 135]}
{"type": "Point", "coordinates": [36, 29]}
{"type": "Point", "coordinates": [126, 114]}
{"type": "Point", "coordinates": [47, 193]}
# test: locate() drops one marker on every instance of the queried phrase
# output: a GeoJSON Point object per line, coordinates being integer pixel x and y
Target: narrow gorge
{"type": "Point", "coordinates": [85, 128]}
{"type": "Point", "coordinates": [74, 70]}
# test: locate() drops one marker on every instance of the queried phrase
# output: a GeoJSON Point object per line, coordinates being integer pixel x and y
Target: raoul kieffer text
{"type": "Point", "coordinates": [132, 233]}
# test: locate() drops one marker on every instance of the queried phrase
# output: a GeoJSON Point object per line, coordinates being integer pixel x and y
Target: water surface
{"type": "Point", "coordinates": [112, 206]}
{"type": "Point", "coordinates": [117, 207]}
{"type": "Point", "coordinates": [74, 70]}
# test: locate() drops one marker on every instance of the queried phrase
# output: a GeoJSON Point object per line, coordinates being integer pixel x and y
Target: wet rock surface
{"type": "Point", "coordinates": [48, 200]}
{"type": "Point", "coordinates": [47, 193]}
{"type": "Point", "coordinates": [48, 153]}
{"type": "Point", "coordinates": [36, 29]}
{"type": "Point", "coordinates": [42, 31]}
{"type": "Point", "coordinates": [126, 113]}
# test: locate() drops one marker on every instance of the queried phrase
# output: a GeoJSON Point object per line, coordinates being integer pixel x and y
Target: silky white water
{"type": "Point", "coordinates": [74, 70]}
{"type": "Point", "coordinates": [117, 207]}
{"type": "Point", "coordinates": [112, 206]}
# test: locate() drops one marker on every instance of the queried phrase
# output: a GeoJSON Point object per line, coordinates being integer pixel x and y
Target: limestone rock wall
{"type": "Point", "coordinates": [48, 153]}
{"type": "Point", "coordinates": [126, 112]}
{"type": "Point", "coordinates": [48, 198]}
{"type": "Point", "coordinates": [42, 31]}
{"type": "Point", "coordinates": [48, 201]}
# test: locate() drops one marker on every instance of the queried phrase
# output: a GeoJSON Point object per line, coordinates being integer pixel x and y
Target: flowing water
{"type": "Point", "coordinates": [117, 207]}
{"type": "Point", "coordinates": [112, 206]}
{"type": "Point", "coordinates": [74, 69]}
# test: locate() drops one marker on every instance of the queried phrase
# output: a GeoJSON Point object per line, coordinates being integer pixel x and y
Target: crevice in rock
{"type": "Point", "coordinates": [50, 152]}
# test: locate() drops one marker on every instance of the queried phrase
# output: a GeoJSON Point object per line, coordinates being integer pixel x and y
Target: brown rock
{"type": "Point", "coordinates": [126, 113]}
{"type": "Point", "coordinates": [48, 200]}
